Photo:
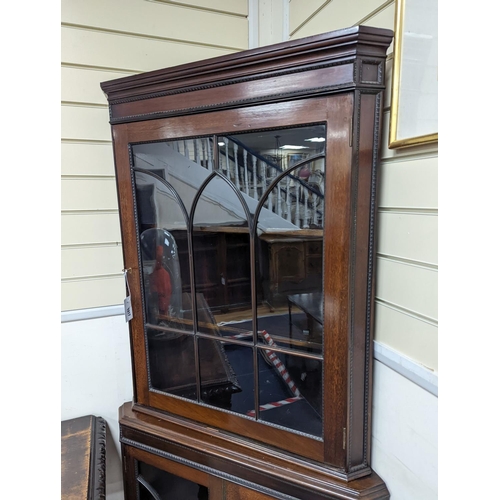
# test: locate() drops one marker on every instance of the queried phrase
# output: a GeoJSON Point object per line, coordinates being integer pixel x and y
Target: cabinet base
{"type": "Point", "coordinates": [237, 464]}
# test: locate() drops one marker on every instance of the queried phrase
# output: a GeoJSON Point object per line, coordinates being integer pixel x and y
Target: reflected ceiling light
{"type": "Point", "coordinates": [221, 144]}
{"type": "Point", "coordinates": [315, 139]}
{"type": "Point", "coordinates": [287, 146]}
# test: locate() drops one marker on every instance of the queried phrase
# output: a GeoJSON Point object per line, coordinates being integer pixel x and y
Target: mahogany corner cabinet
{"type": "Point", "coordinates": [247, 200]}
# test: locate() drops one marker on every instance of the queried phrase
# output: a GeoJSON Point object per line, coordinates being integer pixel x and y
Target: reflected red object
{"type": "Point", "coordinates": [160, 283]}
{"type": "Point", "coordinates": [304, 173]}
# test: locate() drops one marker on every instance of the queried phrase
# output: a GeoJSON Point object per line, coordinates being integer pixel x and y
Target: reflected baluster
{"type": "Point", "coordinates": [245, 169]}
{"type": "Point", "coordinates": [278, 199]}
{"type": "Point", "coordinates": [307, 210]}
{"type": "Point", "coordinates": [254, 168]}
{"type": "Point", "coordinates": [297, 203]}
{"type": "Point", "coordinates": [203, 153]}
{"type": "Point", "coordinates": [236, 167]}
{"type": "Point", "coordinates": [196, 151]}
{"type": "Point", "coordinates": [210, 156]}
{"type": "Point", "coordinates": [263, 180]}
{"type": "Point", "coordinates": [226, 149]}
{"type": "Point", "coordinates": [288, 200]}
{"type": "Point", "coordinates": [315, 212]}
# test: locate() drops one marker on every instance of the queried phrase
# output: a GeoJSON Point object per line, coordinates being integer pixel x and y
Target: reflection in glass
{"type": "Point", "coordinates": [162, 278]}
{"type": "Point", "coordinates": [158, 484]}
{"type": "Point", "coordinates": [184, 164]}
{"type": "Point", "coordinates": [164, 253]}
{"type": "Point", "coordinates": [290, 263]}
{"type": "Point", "coordinates": [221, 248]}
{"type": "Point", "coordinates": [171, 360]}
{"type": "Point", "coordinates": [252, 161]}
{"type": "Point", "coordinates": [226, 372]}
{"type": "Point", "coordinates": [245, 211]}
{"type": "Point", "coordinates": [290, 391]}
{"type": "Point", "coordinates": [294, 329]}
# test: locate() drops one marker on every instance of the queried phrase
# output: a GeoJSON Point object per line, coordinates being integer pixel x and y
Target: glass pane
{"type": "Point", "coordinates": [184, 164]}
{"type": "Point", "coordinates": [221, 248]}
{"type": "Point", "coordinates": [290, 264]}
{"type": "Point", "coordinates": [156, 483]}
{"type": "Point", "coordinates": [227, 375]}
{"type": "Point", "coordinates": [293, 329]}
{"type": "Point", "coordinates": [290, 391]}
{"type": "Point", "coordinates": [275, 179]}
{"type": "Point", "coordinates": [164, 254]}
{"type": "Point", "coordinates": [171, 360]}
{"type": "Point", "coordinates": [144, 494]}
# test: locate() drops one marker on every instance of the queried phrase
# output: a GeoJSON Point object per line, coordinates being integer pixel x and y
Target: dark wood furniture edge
{"type": "Point", "coordinates": [90, 431]}
{"type": "Point", "coordinates": [358, 53]}
{"type": "Point", "coordinates": [286, 55]}
{"type": "Point", "coordinates": [98, 459]}
{"type": "Point", "coordinates": [234, 458]}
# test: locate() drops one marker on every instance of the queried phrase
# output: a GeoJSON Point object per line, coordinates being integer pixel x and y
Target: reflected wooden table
{"type": "Point", "coordinates": [312, 305]}
{"type": "Point", "coordinates": [83, 458]}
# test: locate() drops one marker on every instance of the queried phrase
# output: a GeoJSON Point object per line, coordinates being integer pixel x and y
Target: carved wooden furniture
{"type": "Point", "coordinates": [312, 305]}
{"type": "Point", "coordinates": [202, 154]}
{"type": "Point", "coordinates": [295, 264]}
{"type": "Point", "coordinates": [83, 458]}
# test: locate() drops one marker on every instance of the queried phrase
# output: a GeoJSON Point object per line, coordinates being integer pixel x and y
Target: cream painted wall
{"type": "Point", "coordinates": [96, 379]}
{"type": "Point", "coordinates": [404, 430]}
{"type": "Point", "coordinates": [102, 40]}
{"type": "Point", "coordinates": [407, 257]}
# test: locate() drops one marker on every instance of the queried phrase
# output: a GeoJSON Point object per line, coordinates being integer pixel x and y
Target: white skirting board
{"type": "Point", "coordinates": [424, 377]}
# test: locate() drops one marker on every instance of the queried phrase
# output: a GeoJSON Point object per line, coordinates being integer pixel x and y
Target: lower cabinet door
{"type": "Point", "coordinates": [155, 484]}
{"type": "Point", "coordinates": [150, 477]}
{"type": "Point", "coordinates": [236, 492]}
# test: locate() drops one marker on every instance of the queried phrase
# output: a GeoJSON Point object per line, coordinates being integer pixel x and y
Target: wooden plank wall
{"type": "Point", "coordinates": [107, 39]}
{"type": "Point", "coordinates": [102, 40]}
{"type": "Point", "coordinates": [407, 255]}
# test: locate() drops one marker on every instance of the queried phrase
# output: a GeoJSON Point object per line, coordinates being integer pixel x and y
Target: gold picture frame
{"type": "Point", "coordinates": [413, 116]}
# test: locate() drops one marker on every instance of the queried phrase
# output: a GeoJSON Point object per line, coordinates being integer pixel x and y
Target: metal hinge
{"type": "Point", "coordinates": [344, 438]}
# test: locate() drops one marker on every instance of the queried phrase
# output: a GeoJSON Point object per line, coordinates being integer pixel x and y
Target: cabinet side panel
{"type": "Point", "coordinates": [362, 277]}
{"type": "Point", "coordinates": [336, 279]}
{"type": "Point", "coordinates": [131, 260]}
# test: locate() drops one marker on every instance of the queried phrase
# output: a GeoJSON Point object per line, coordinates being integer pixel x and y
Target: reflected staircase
{"type": "Point", "coordinates": [296, 200]}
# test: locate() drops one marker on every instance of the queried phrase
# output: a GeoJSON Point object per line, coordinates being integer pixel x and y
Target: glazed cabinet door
{"type": "Point", "coordinates": [207, 209]}
{"type": "Point", "coordinates": [225, 233]}
{"type": "Point", "coordinates": [241, 253]}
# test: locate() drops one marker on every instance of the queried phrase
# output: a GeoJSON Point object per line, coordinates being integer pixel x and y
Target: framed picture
{"type": "Point", "coordinates": [414, 99]}
{"type": "Point", "coordinates": [293, 158]}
